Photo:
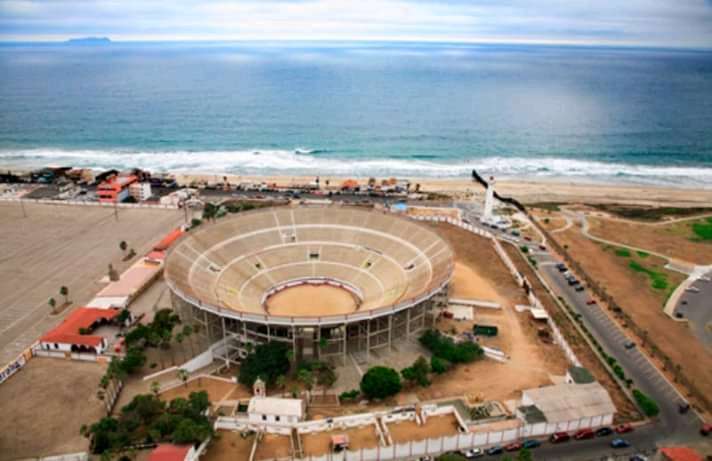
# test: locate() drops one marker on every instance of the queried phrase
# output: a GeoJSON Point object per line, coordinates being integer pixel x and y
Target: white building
{"type": "Point", "coordinates": [271, 410]}
{"type": "Point", "coordinates": [566, 407]}
{"type": "Point", "coordinates": [140, 191]}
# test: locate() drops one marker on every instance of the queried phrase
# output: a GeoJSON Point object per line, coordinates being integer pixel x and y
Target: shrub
{"type": "Point", "coordinates": [418, 372]}
{"type": "Point", "coordinates": [648, 405]}
{"type": "Point", "coordinates": [350, 395]}
{"type": "Point", "coordinates": [619, 372]}
{"type": "Point", "coordinates": [380, 382]}
{"type": "Point", "coordinates": [524, 248]}
{"type": "Point", "coordinates": [439, 365]}
{"type": "Point", "coordinates": [446, 348]}
{"type": "Point", "coordinates": [195, 222]}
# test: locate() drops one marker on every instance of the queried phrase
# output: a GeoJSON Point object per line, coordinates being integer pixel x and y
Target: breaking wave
{"type": "Point", "coordinates": [302, 161]}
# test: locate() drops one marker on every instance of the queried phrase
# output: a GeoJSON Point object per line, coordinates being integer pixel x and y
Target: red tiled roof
{"type": "Point", "coordinates": [681, 454]}
{"type": "Point", "coordinates": [169, 452]}
{"type": "Point", "coordinates": [168, 240]}
{"type": "Point", "coordinates": [67, 332]}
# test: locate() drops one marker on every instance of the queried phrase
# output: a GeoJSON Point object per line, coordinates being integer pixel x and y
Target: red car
{"type": "Point", "coordinates": [706, 429]}
{"type": "Point", "coordinates": [584, 434]}
{"type": "Point", "coordinates": [591, 302]}
{"type": "Point", "coordinates": [559, 437]}
{"type": "Point", "coordinates": [623, 428]}
{"type": "Point", "coordinates": [514, 446]}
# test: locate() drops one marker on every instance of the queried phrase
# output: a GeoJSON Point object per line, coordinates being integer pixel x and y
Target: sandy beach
{"type": "Point", "coordinates": [526, 191]}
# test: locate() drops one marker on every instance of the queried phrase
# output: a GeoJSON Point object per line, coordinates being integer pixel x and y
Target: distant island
{"type": "Point", "coordinates": [89, 41]}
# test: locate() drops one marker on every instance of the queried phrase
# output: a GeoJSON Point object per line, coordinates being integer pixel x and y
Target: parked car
{"type": "Point", "coordinates": [629, 344]}
{"type": "Point", "coordinates": [706, 429]}
{"type": "Point", "coordinates": [495, 450]}
{"type": "Point", "coordinates": [584, 434]}
{"type": "Point", "coordinates": [683, 407]}
{"type": "Point", "coordinates": [638, 457]}
{"type": "Point", "coordinates": [604, 431]}
{"type": "Point", "coordinates": [559, 437]}
{"type": "Point", "coordinates": [472, 454]}
{"type": "Point", "coordinates": [527, 238]}
{"type": "Point", "coordinates": [620, 443]}
{"type": "Point", "coordinates": [531, 443]}
{"type": "Point", "coordinates": [623, 428]}
{"type": "Point", "coordinates": [514, 446]}
{"type": "Point", "coordinates": [561, 267]}
{"type": "Point", "coordinates": [579, 288]}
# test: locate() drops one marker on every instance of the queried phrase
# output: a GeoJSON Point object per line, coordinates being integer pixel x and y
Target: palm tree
{"type": "Point", "coordinates": [64, 291]}
{"type": "Point", "coordinates": [53, 304]}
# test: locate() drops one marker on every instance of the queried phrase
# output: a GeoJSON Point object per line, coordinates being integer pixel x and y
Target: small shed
{"type": "Point", "coordinates": [275, 410]}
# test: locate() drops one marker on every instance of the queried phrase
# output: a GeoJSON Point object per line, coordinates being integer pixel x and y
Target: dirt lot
{"type": "Point", "coordinates": [673, 240]}
{"type": "Point", "coordinates": [484, 271]}
{"type": "Point", "coordinates": [633, 293]}
{"type": "Point", "coordinates": [436, 426]}
{"type": "Point", "coordinates": [467, 283]}
{"type": "Point", "coordinates": [45, 404]}
{"type": "Point", "coordinates": [273, 446]}
{"type": "Point", "coordinates": [217, 390]}
{"type": "Point", "coordinates": [319, 443]}
{"type": "Point", "coordinates": [626, 411]}
{"type": "Point", "coordinates": [58, 245]}
{"type": "Point", "coordinates": [229, 446]}
{"type": "Point", "coordinates": [531, 362]}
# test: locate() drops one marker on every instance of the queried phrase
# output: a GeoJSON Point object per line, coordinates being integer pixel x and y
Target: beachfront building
{"type": "Point", "coordinates": [115, 189]}
{"type": "Point", "coordinates": [140, 191]}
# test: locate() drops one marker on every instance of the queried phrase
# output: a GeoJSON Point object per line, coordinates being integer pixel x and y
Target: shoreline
{"type": "Point", "coordinates": [555, 189]}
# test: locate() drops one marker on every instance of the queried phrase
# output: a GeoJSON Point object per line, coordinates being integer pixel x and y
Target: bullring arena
{"type": "Point", "coordinates": [330, 281]}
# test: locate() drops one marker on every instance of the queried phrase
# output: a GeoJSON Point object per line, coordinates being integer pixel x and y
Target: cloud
{"type": "Point", "coordinates": [629, 22]}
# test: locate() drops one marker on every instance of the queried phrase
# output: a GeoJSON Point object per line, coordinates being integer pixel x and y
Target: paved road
{"type": "Point", "coordinates": [669, 427]}
{"type": "Point", "coordinates": [698, 309]}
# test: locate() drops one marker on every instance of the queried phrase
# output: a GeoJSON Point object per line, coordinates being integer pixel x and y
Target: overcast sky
{"type": "Point", "coordinates": [676, 23]}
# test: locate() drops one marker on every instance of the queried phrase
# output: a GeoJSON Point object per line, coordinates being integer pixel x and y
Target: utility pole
{"type": "Point", "coordinates": [22, 205]}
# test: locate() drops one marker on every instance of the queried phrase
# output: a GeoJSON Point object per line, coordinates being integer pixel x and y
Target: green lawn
{"type": "Point", "coordinates": [658, 280]}
{"type": "Point", "coordinates": [702, 230]}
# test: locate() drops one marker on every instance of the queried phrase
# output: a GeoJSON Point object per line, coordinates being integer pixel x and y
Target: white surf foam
{"type": "Point", "coordinates": [298, 162]}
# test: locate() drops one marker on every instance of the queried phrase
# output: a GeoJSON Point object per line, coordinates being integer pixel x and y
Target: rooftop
{"type": "Point", "coordinates": [680, 454]}
{"type": "Point", "coordinates": [67, 332]}
{"type": "Point", "coordinates": [169, 452]}
{"type": "Point", "coordinates": [581, 375]}
{"type": "Point", "coordinates": [276, 406]}
{"type": "Point", "coordinates": [566, 402]}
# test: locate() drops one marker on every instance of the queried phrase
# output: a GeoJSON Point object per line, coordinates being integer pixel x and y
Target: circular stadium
{"type": "Point", "coordinates": [331, 281]}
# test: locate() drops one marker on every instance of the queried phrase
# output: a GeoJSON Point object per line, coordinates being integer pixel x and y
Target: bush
{"type": "Point", "coordinates": [418, 372]}
{"type": "Point", "coordinates": [349, 395]}
{"type": "Point", "coordinates": [524, 248]}
{"type": "Point", "coordinates": [445, 348]}
{"type": "Point", "coordinates": [380, 382]}
{"type": "Point", "coordinates": [648, 405]}
{"type": "Point", "coordinates": [195, 222]}
{"type": "Point", "coordinates": [268, 361]}
{"type": "Point", "coordinates": [439, 365]}
{"type": "Point", "coordinates": [619, 372]}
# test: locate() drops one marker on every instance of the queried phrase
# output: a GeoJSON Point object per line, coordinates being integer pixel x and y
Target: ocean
{"type": "Point", "coordinates": [599, 114]}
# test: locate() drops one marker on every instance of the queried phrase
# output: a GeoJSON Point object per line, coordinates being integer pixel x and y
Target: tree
{"type": "Point", "coordinates": [380, 382]}
{"type": "Point", "coordinates": [268, 361]}
{"type": "Point", "coordinates": [53, 304]}
{"type": "Point", "coordinates": [64, 291]}
{"type": "Point", "coordinates": [306, 377]}
{"type": "Point", "coordinates": [155, 388]}
{"type": "Point", "coordinates": [183, 375]}
{"type": "Point", "coordinates": [418, 372]}
{"type": "Point", "coordinates": [326, 376]}
{"type": "Point", "coordinates": [281, 381]}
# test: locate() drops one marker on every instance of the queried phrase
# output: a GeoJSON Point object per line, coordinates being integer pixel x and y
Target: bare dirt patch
{"type": "Point", "coordinates": [319, 443]}
{"type": "Point", "coordinates": [217, 390]}
{"type": "Point", "coordinates": [311, 300]}
{"type": "Point", "coordinates": [633, 293]}
{"type": "Point", "coordinates": [436, 426]}
{"type": "Point", "coordinates": [44, 406]}
{"type": "Point", "coordinates": [229, 446]}
{"type": "Point", "coordinates": [469, 284]}
{"type": "Point", "coordinates": [673, 240]}
{"type": "Point", "coordinates": [273, 446]}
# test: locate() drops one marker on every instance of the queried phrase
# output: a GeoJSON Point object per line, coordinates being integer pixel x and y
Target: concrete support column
{"type": "Point", "coordinates": [390, 333]}
{"type": "Point", "coordinates": [368, 340]}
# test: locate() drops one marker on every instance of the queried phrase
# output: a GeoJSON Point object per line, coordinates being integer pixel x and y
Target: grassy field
{"type": "Point", "coordinates": [642, 213]}
{"type": "Point", "coordinates": [658, 279]}
{"type": "Point", "coordinates": [702, 230]}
